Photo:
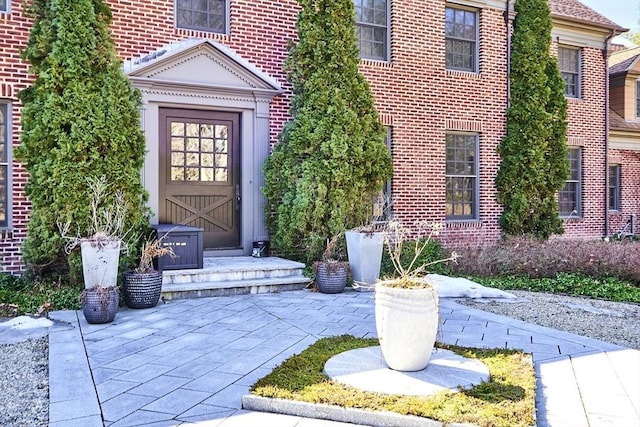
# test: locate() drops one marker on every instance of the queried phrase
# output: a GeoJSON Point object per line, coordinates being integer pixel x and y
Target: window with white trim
{"type": "Point", "coordinates": [570, 197]}
{"type": "Point", "coordinates": [569, 61]}
{"type": "Point", "coordinates": [637, 98]}
{"type": "Point", "coordinates": [461, 39]}
{"type": "Point", "coordinates": [4, 5]}
{"type": "Point", "coordinates": [372, 28]}
{"type": "Point", "coordinates": [461, 176]}
{"type": "Point", "coordinates": [614, 187]}
{"type": "Point", "coordinates": [5, 125]}
{"type": "Point", "coordinates": [203, 15]}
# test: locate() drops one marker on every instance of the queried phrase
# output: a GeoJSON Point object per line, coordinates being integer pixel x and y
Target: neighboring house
{"type": "Point", "coordinates": [216, 97]}
{"type": "Point", "coordinates": [624, 142]}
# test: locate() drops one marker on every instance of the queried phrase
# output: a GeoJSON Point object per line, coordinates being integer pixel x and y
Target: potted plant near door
{"type": "Point", "coordinates": [331, 272]}
{"type": "Point", "coordinates": [142, 286]}
{"type": "Point", "coordinates": [406, 306]}
{"type": "Point", "coordinates": [365, 246]}
{"type": "Point", "coordinates": [100, 252]}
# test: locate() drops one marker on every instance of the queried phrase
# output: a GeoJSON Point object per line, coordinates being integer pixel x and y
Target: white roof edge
{"type": "Point", "coordinates": [139, 63]}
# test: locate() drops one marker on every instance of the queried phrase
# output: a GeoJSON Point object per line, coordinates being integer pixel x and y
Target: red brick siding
{"type": "Point", "coordinates": [414, 93]}
{"type": "Point", "coordinates": [629, 162]}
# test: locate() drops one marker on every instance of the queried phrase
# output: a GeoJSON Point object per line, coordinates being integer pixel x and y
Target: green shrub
{"type": "Point", "coordinates": [534, 165]}
{"type": "Point", "coordinates": [29, 295]}
{"type": "Point", "coordinates": [331, 159]}
{"type": "Point", "coordinates": [80, 118]}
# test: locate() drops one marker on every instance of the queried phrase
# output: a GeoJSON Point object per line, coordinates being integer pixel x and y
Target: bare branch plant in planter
{"type": "Point", "coordinates": [406, 306]}
{"type": "Point", "coordinates": [331, 272]}
{"type": "Point", "coordinates": [142, 286]}
{"type": "Point", "coordinates": [100, 246]}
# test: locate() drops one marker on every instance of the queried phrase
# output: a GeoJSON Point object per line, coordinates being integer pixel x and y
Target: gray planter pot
{"type": "Point", "coordinates": [100, 305]}
{"type": "Point", "coordinates": [365, 257]}
{"type": "Point", "coordinates": [331, 277]}
{"type": "Point", "coordinates": [141, 290]}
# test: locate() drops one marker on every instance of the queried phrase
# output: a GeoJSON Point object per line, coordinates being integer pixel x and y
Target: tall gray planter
{"type": "Point", "coordinates": [365, 257]}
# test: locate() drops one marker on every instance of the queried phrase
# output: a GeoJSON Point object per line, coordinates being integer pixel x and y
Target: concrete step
{"type": "Point", "coordinates": [223, 276]}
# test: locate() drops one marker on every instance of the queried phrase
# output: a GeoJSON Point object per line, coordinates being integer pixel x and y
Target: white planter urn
{"type": "Point", "coordinates": [100, 262]}
{"type": "Point", "coordinates": [365, 256]}
{"type": "Point", "coordinates": [407, 325]}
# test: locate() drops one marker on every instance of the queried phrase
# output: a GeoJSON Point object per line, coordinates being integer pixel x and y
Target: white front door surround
{"type": "Point", "coordinates": [206, 75]}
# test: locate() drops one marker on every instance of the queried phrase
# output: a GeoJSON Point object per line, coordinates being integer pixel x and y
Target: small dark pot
{"type": "Point", "coordinates": [142, 290]}
{"type": "Point", "coordinates": [100, 305]}
{"type": "Point", "coordinates": [331, 277]}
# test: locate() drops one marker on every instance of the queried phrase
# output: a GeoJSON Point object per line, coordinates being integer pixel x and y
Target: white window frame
{"type": "Point", "coordinates": [476, 41]}
{"type": "Point", "coordinates": [475, 206]}
{"type": "Point", "coordinates": [5, 163]}
{"type": "Point", "coordinates": [576, 194]}
{"type": "Point", "coordinates": [565, 72]}
{"type": "Point", "coordinates": [637, 98]}
{"type": "Point", "coordinates": [615, 187]}
{"type": "Point", "coordinates": [227, 16]}
{"type": "Point", "coordinates": [387, 27]}
{"type": "Point", "coordinates": [7, 7]}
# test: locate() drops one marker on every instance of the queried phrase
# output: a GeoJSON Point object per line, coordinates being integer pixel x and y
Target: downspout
{"type": "Point", "coordinates": [506, 20]}
{"type": "Point", "coordinates": [605, 53]}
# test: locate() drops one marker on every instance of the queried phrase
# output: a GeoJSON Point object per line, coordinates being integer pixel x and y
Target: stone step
{"type": "Point", "coordinates": [224, 269]}
{"type": "Point", "coordinates": [222, 276]}
{"type": "Point", "coordinates": [235, 287]}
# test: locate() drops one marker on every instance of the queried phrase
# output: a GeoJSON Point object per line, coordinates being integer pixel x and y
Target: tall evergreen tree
{"type": "Point", "coordinates": [534, 163]}
{"type": "Point", "coordinates": [80, 119]}
{"type": "Point", "coordinates": [331, 159]}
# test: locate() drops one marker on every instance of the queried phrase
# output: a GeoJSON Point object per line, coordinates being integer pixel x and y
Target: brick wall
{"type": "Point", "coordinates": [414, 93]}
{"type": "Point", "coordinates": [629, 162]}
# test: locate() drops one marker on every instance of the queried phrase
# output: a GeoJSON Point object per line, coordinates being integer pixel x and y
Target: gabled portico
{"type": "Point", "coordinates": [206, 120]}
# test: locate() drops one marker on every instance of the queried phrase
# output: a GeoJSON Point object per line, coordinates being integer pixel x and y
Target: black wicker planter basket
{"type": "Point", "coordinates": [142, 290]}
{"type": "Point", "coordinates": [331, 277]}
{"type": "Point", "coordinates": [100, 306]}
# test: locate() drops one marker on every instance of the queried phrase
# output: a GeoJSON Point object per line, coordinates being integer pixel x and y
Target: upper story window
{"type": "Point", "coordinates": [203, 15]}
{"type": "Point", "coordinates": [637, 98]}
{"type": "Point", "coordinates": [461, 176]}
{"type": "Point", "coordinates": [4, 165]}
{"type": "Point", "coordinates": [614, 187]}
{"type": "Point", "coordinates": [4, 5]}
{"type": "Point", "coordinates": [372, 28]}
{"type": "Point", "coordinates": [570, 197]}
{"type": "Point", "coordinates": [461, 43]}
{"type": "Point", "coordinates": [569, 61]}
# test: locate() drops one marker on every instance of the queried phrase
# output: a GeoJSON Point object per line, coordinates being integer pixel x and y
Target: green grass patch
{"type": "Point", "coordinates": [507, 400]}
{"type": "Point", "coordinates": [609, 288]}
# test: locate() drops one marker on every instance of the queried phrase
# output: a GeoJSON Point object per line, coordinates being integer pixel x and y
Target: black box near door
{"type": "Point", "coordinates": [187, 244]}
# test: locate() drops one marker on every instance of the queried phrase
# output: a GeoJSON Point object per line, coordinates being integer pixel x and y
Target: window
{"type": "Point", "coordinates": [637, 98]}
{"type": "Point", "coordinates": [614, 187]}
{"type": "Point", "coordinates": [461, 33]}
{"type": "Point", "coordinates": [4, 5]}
{"type": "Point", "coordinates": [4, 165]}
{"type": "Point", "coordinates": [204, 15]}
{"type": "Point", "coordinates": [569, 61]}
{"type": "Point", "coordinates": [382, 206]}
{"type": "Point", "coordinates": [462, 176]}
{"type": "Point", "coordinates": [372, 28]}
{"type": "Point", "coordinates": [570, 197]}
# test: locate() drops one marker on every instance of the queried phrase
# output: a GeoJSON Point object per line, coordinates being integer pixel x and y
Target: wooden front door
{"type": "Point", "coordinates": [200, 173]}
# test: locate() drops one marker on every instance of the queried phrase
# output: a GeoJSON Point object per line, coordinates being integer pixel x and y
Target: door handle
{"type": "Point", "coordinates": [238, 197]}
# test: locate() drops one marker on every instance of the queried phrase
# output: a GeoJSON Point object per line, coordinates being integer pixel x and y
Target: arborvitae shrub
{"type": "Point", "coordinates": [80, 119]}
{"type": "Point", "coordinates": [534, 163]}
{"type": "Point", "coordinates": [331, 159]}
